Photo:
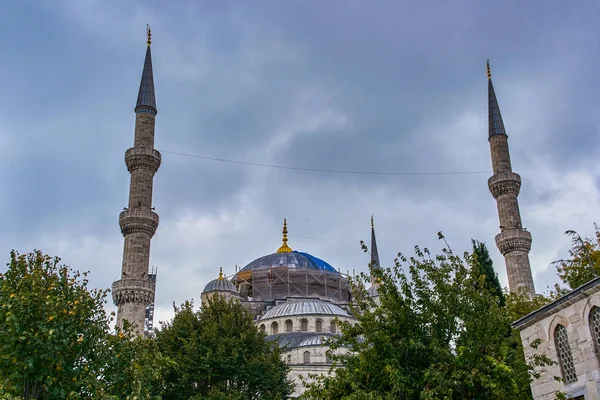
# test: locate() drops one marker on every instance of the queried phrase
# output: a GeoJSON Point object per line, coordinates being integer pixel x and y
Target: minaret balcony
{"type": "Point", "coordinates": [502, 183]}
{"type": "Point", "coordinates": [142, 157]}
{"type": "Point", "coordinates": [133, 291]}
{"type": "Point", "coordinates": [513, 240]}
{"type": "Point", "coordinates": [136, 221]}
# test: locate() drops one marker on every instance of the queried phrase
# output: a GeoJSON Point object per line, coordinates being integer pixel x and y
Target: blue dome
{"type": "Point", "coordinates": [294, 259]}
{"type": "Point", "coordinates": [221, 285]}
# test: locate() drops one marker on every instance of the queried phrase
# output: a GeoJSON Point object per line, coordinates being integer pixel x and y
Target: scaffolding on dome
{"type": "Point", "coordinates": [281, 282]}
{"type": "Point", "coordinates": [149, 320]}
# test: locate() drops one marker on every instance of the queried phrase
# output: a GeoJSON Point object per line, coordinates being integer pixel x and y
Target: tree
{"type": "Point", "coordinates": [135, 369]}
{"type": "Point", "coordinates": [53, 329]}
{"type": "Point", "coordinates": [583, 264]}
{"type": "Point", "coordinates": [439, 332]}
{"type": "Point", "coordinates": [56, 343]}
{"type": "Point", "coordinates": [484, 265]}
{"type": "Point", "coordinates": [219, 353]}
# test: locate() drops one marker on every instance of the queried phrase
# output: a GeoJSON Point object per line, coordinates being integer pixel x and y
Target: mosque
{"type": "Point", "coordinates": [300, 300]}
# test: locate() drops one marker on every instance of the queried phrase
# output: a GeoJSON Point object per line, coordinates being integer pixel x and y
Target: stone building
{"type": "Point", "coordinates": [568, 331]}
{"type": "Point", "coordinates": [298, 300]}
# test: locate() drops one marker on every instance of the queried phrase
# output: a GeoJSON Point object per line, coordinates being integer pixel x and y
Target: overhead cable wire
{"type": "Point", "coordinates": [337, 171]}
{"type": "Point", "coordinates": [436, 238]}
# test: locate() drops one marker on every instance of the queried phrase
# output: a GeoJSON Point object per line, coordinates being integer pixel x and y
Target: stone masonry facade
{"type": "Point", "coordinates": [579, 313]}
{"type": "Point", "coordinates": [513, 241]}
{"type": "Point", "coordinates": [138, 222]}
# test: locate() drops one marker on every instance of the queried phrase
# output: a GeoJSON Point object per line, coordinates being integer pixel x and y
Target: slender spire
{"type": "Point", "coordinates": [374, 253]}
{"type": "Point", "coordinates": [221, 273]}
{"type": "Point", "coordinates": [284, 247]}
{"type": "Point", "coordinates": [496, 123]}
{"type": "Point", "coordinates": [146, 98]}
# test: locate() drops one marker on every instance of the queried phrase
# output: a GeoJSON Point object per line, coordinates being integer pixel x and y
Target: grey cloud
{"type": "Point", "coordinates": [397, 87]}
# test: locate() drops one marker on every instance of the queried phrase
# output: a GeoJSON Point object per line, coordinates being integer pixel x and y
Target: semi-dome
{"type": "Point", "coordinates": [220, 284]}
{"type": "Point", "coordinates": [305, 307]}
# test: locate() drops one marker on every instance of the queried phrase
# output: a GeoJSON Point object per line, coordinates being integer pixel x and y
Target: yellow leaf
{"type": "Point", "coordinates": [50, 318]}
{"type": "Point", "coordinates": [12, 295]}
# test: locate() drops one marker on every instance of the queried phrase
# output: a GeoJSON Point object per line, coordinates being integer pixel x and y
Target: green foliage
{"type": "Point", "coordinates": [438, 332]}
{"type": "Point", "coordinates": [583, 265]}
{"type": "Point", "coordinates": [135, 369]}
{"type": "Point", "coordinates": [483, 265]}
{"type": "Point", "coordinates": [53, 329]}
{"type": "Point", "coordinates": [55, 341]}
{"type": "Point", "coordinates": [220, 354]}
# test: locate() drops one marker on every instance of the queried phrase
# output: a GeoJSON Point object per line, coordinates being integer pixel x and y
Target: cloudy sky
{"type": "Point", "coordinates": [347, 85]}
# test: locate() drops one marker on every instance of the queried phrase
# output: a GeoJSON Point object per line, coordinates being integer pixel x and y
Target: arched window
{"type": "Point", "coordinates": [327, 357]}
{"type": "Point", "coordinates": [289, 359]}
{"type": "Point", "coordinates": [304, 325]}
{"type": "Point", "coordinates": [289, 325]}
{"type": "Point", "coordinates": [262, 328]}
{"type": "Point", "coordinates": [595, 328]}
{"type": "Point", "coordinates": [319, 325]}
{"type": "Point", "coordinates": [307, 357]}
{"type": "Point", "coordinates": [274, 328]}
{"type": "Point", "coordinates": [563, 350]}
{"type": "Point", "coordinates": [333, 327]}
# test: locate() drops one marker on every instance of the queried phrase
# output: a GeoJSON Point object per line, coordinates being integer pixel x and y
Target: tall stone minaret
{"type": "Point", "coordinates": [138, 222]}
{"type": "Point", "coordinates": [513, 241]}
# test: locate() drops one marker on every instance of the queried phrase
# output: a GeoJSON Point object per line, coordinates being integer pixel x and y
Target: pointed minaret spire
{"type": "Point", "coordinates": [496, 125]}
{"type": "Point", "coordinates": [374, 253]}
{"type": "Point", "coordinates": [138, 222]}
{"type": "Point", "coordinates": [373, 291]}
{"type": "Point", "coordinates": [513, 241]}
{"type": "Point", "coordinates": [146, 98]}
{"type": "Point", "coordinates": [284, 247]}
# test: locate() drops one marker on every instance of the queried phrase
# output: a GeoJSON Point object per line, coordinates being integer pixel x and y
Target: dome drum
{"type": "Point", "coordinates": [278, 283]}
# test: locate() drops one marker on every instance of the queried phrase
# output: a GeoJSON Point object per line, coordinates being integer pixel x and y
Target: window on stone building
{"type": "Point", "coordinates": [333, 327]}
{"type": "Point", "coordinates": [307, 357]}
{"type": "Point", "coordinates": [319, 325]}
{"type": "Point", "coordinates": [289, 325]}
{"type": "Point", "coordinates": [327, 357]}
{"type": "Point", "coordinates": [274, 328]}
{"type": "Point", "coordinates": [565, 357]}
{"type": "Point", "coordinates": [595, 328]}
{"type": "Point", "coordinates": [304, 325]}
{"type": "Point", "coordinates": [289, 359]}
{"type": "Point", "coordinates": [262, 328]}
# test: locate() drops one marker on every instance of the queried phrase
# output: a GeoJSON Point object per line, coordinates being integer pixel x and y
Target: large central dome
{"type": "Point", "coordinates": [291, 274]}
{"type": "Point", "coordinates": [294, 259]}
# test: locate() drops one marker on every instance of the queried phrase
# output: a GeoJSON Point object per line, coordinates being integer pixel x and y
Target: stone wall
{"type": "Point", "coordinates": [575, 317]}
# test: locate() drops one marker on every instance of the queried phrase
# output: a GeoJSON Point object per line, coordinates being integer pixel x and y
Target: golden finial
{"type": "Point", "coordinates": [220, 272]}
{"type": "Point", "coordinates": [284, 247]}
{"type": "Point", "coordinates": [487, 67]}
{"type": "Point", "coordinates": [149, 32]}
{"type": "Point", "coordinates": [372, 224]}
